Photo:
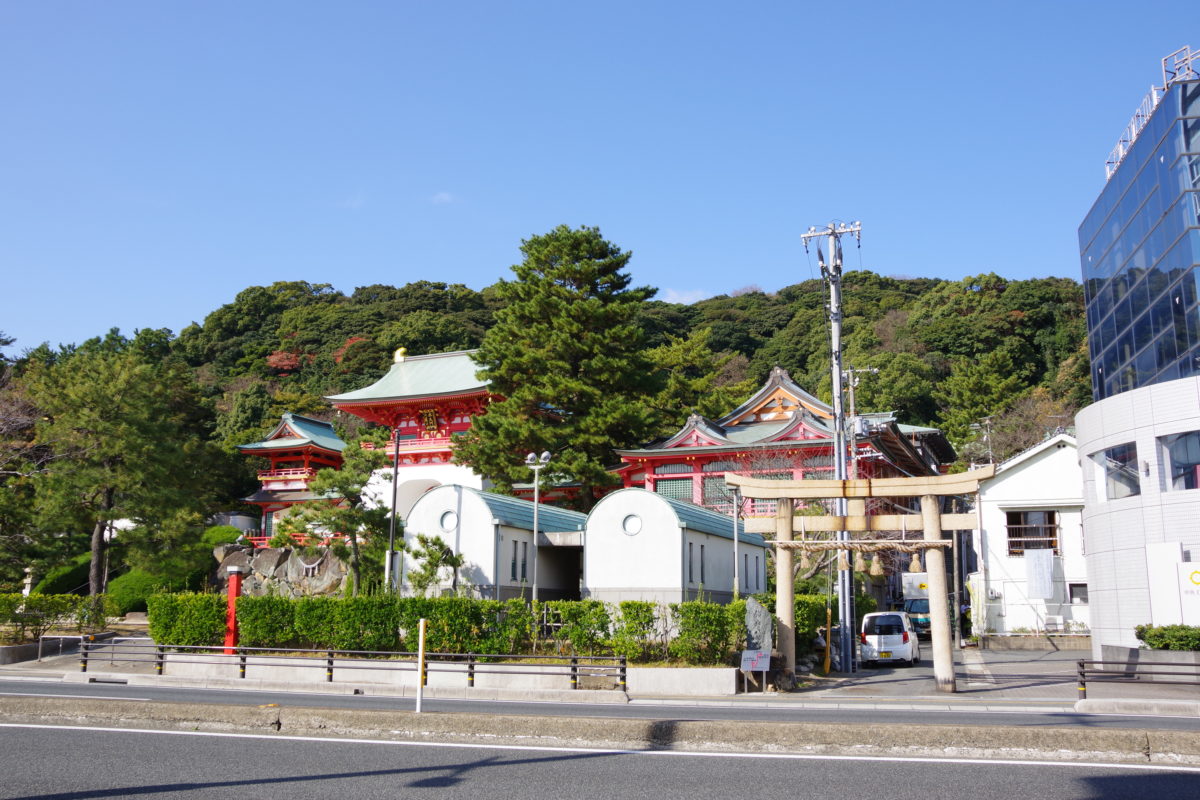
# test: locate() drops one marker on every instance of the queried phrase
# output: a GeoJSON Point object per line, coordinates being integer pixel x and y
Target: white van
{"type": "Point", "coordinates": [889, 636]}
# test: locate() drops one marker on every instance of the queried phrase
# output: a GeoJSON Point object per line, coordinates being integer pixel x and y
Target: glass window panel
{"type": "Point", "coordinates": [1143, 332]}
{"type": "Point", "coordinates": [1183, 460]}
{"type": "Point", "coordinates": [1120, 471]}
{"type": "Point", "coordinates": [675, 488]}
{"type": "Point", "coordinates": [1164, 350]}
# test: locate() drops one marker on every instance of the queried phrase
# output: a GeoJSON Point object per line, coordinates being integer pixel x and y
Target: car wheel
{"type": "Point", "coordinates": [869, 665]}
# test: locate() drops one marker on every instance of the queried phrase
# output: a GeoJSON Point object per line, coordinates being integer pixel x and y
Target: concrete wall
{"type": "Point", "coordinates": [1119, 531]}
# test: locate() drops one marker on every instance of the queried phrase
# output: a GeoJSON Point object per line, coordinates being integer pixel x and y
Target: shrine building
{"type": "Point", "coordinates": [297, 447]}
{"type": "Point", "coordinates": [781, 432]}
{"type": "Point", "coordinates": [424, 400]}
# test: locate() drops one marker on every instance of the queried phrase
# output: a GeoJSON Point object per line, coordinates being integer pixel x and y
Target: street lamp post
{"type": "Point", "coordinates": [536, 463]}
{"type": "Point", "coordinates": [388, 579]}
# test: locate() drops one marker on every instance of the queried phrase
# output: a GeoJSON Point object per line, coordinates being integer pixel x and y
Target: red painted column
{"type": "Point", "coordinates": [231, 628]}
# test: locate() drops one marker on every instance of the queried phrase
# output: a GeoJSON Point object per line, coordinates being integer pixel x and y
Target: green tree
{"type": "Point", "coordinates": [976, 389]}
{"type": "Point", "coordinates": [126, 441]}
{"type": "Point", "coordinates": [433, 555]}
{"type": "Point", "coordinates": [692, 381]}
{"type": "Point", "coordinates": [348, 509]}
{"type": "Point", "coordinates": [566, 358]}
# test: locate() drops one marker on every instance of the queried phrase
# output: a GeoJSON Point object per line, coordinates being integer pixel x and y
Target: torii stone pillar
{"type": "Point", "coordinates": [928, 488]}
{"type": "Point", "coordinates": [785, 606]}
{"type": "Point", "coordinates": [939, 615]}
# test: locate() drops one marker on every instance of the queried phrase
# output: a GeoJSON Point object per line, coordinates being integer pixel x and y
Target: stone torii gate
{"type": "Point", "coordinates": [931, 521]}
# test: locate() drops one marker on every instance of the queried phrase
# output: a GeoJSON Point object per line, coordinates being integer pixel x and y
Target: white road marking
{"type": "Point", "coordinates": [76, 696]}
{"type": "Point", "coordinates": [1058, 765]}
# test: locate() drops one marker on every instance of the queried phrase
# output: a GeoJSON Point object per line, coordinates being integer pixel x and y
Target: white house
{"type": "Point", "coordinates": [1032, 572]}
{"type": "Point", "coordinates": [644, 546]}
{"type": "Point", "coordinates": [494, 533]}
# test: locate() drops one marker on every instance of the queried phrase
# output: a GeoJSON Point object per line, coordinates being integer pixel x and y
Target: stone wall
{"type": "Point", "coordinates": [285, 572]}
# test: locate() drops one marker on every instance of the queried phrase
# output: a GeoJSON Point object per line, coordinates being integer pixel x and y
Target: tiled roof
{"type": "Point", "coordinates": [295, 431]}
{"type": "Point", "coordinates": [517, 513]}
{"type": "Point", "coordinates": [420, 376]}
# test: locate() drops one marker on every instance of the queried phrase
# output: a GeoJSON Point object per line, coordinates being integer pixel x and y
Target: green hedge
{"type": "Point", "coordinates": [189, 620]}
{"type": "Point", "coordinates": [1169, 637]}
{"type": "Point", "coordinates": [706, 633]}
{"type": "Point", "coordinates": [27, 618]}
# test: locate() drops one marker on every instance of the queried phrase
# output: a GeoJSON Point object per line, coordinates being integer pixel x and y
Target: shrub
{"type": "Point", "coordinates": [189, 620]}
{"type": "Point", "coordinates": [268, 621]}
{"type": "Point", "coordinates": [129, 592]}
{"type": "Point", "coordinates": [703, 632]}
{"type": "Point", "coordinates": [315, 621]}
{"type": "Point", "coordinates": [368, 623]}
{"type": "Point", "coordinates": [584, 625]}
{"type": "Point", "coordinates": [70, 578]}
{"type": "Point", "coordinates": [633, 634]}
{"type": "Point", "coordinates": [28, 618]}
{"type": "Point", "coordinates": [1169, 637]}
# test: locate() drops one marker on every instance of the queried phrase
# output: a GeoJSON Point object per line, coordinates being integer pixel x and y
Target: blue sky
{"type": "Point", "coordinates": [158, 157]}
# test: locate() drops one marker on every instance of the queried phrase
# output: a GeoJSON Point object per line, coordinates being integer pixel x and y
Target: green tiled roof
{"type": "Point", "coordinates": [295, 431]}
{"type": "Point", "coordinates": [420, 376]}
{"type": "Point", "coordinates": [518, 513]}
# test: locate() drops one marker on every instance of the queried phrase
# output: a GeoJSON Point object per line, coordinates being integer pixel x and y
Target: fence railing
{"type": "Point", "coordinates": [1125, 672]}
{"type": "Point", "coordinates": [599, 669]}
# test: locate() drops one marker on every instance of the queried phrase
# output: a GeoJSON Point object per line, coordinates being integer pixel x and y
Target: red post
{"type": "Point", "coordinates": [231, 628]}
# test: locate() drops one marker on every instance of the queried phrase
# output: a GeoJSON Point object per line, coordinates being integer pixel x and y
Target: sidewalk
{"type": "Point", "coordinates": [986, 681]}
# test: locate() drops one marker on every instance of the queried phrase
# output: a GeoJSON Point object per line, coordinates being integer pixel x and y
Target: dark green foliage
{"type": "Point", "coordinates": [315, 621]}
{"type": "Point", "coordinates": [130, 591]}
{"type": "Point", "coordinates": [69, 578]}
{"type": "Point", "coordinates": [568, 360]}
{"type": "Point", "coordinates": [584, 625]}
{"type": "Point", "coordinates": [266, 621]}
{"type": "Point", "coordinates": [634, 631]}
{"type": "Point", "coordinates": [188, 620]}
{"type": "Point", "coordinates": [1169, 637]}
{"type": "Point", "coordinates": [705, 634]}
{"type": "Point", "coordinates": [369, 623]}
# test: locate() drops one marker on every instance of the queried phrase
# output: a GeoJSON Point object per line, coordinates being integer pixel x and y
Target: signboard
{"type": "Point", "coordinates": [1189, 592]}
{"type": "Point", "coordinates": [756, 660]}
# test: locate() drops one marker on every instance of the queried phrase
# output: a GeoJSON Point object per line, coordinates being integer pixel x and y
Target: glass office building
{"type": "Point", "coordinates": [1140, 249]}
{"type": "Point", "coordinates": [1139, 443]}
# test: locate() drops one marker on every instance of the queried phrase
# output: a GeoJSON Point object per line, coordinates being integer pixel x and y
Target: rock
{"type": "Point", "coordinates": [760, 626]}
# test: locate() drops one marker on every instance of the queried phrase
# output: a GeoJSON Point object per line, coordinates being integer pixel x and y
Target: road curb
{"type": "Point", "coordinates": [1051, 744]}
{"type": "Point", "coordinates": [1152, 708]}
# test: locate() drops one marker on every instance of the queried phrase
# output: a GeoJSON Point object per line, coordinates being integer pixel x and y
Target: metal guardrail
{"type": "Point", "coordinates": [146, 651]}
{"type": "Point", "coordinates": [1126, 672]}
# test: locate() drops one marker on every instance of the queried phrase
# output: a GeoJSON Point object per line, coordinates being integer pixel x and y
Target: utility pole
{"type": "Point", "coordinates": [831, 270]}
{"type": "Point", "coordinates": [852, 383]}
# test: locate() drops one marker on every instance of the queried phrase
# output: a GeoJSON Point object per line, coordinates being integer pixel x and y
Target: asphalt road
{"type": "Point", "coordinates": [745, 707]}
{"type": "Point", "coordinates": [52, 763]}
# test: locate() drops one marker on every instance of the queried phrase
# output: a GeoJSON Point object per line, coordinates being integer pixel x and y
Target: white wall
{"type": "Point", "coordinates": [652, 564]}
{"type": "Point", "coordinates": [464, 522]}
{"type": "Point", "coordinates": [1047, 478]}
{"type": "Point", "coordinates": [1119, 531]}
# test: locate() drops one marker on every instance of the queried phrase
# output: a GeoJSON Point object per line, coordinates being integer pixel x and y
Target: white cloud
{"type": "Point", "coordinates": [442, 198]}
{"type": "Point", "coordinates": [684, 296]}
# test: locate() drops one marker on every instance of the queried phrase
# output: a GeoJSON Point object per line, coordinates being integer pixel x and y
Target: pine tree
{"type": "Point", "coordinates": [566, 357]}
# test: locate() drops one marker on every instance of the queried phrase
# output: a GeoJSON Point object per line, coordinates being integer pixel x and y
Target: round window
{"type": "Point", "coordinates": [449, 521]}
{"type": "Point", "coordinates": [632, 524]}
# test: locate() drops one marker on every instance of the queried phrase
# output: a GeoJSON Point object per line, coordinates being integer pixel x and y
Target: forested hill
{"type": "Point", "coordinates": [145, 427]}
{"type": "Point", "coordinates": [948, 353]}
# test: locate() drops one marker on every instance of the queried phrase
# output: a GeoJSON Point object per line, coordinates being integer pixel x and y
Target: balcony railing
{"type": "Point", "coordinates": [1032, 537]}
{"type": "Point", "coordinates": [284, 474]}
